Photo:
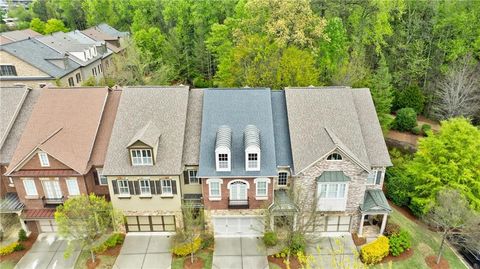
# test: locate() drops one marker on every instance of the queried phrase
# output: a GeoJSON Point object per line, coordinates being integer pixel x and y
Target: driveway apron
{"type": "Point", "coordinates": [328, 251]}
{"type": "Point", "coordinates": [239, 253]}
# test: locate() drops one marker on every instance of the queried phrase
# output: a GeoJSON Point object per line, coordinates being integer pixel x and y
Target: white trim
{"type": "Point", "coordinates": [26, 189]}
{"type": "Point", "coordinates": [120, 194]}
{"type": "Point", "coordinates": [238, 180]}
{"type": "Point", "coordinates": [141, 158]}
{"type": "Point", "coordinates": [196, 176]}
{"type": "Point", "coordinates": [223, 150]}
{"type": "Point", "coordinates": [76, 190]}
{"type": "Point", "coordinates": [258, 180]}
{"type": "Point", "coordinates": [252, 150]}
{"type": "Point", "coordinates": [374, 173]}
{"type": "Point", "coordinates": [215, 197]}
{"type": "Point", "coordinates": [43, 157]}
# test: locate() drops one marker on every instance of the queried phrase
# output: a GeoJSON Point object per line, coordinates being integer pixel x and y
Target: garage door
{"type": "Point", "coordinates": [330, 224]}
{"type": "Point", "coordinates": [150, 223]}
{"type": "Point", "coordinates": [238, 226]}
{"type": "Point", "coordinates": [47, 226]}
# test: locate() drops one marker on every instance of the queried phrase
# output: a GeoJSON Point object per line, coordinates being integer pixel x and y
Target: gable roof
{"type": "Point", "coordinates": [103, 27]}
{"type": "Point", "coordinates": [64, 124]}
{"type": "Point", "coordinates": [283, 149]}
{"type": "Point", "coordinates": [375, 201]}
{"type": "Point", "coordinates": [96, 34]}
{"type": "Point", "coordinates": [324, 119]}
{"type": "Point", "coordinates": [17, 35]}
{"type": "Point", "coordinates": [16, 104]}
{"type": "Point", "coordinates": [166, 107]}
{"type": "Point", "coordinates": [333, 176]}
{"type": "Point", "coordinates": [38, 55]}
{"type": "Point", "coordinates": [191, 145]}
{"type": "Point", "coordinates": [148, 134]}
{"type": "Point", "coordinates": [237, 108]}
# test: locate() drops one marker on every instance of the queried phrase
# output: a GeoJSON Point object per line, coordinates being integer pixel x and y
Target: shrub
{"type": "Point", "coordinates": [112, 241]}
{"type": "Point", "coordinates": [416, 130]}
{"type": "Point", "coordinates": [283, 253]}
{"type": "Point", "coordinates": [19, 247]}
{"type": "Point", "coordinates": [391, 228]}
{"type": "Point", "coordinates": [375, 251]}
{"type": "Point", "coordinates": [426, 128]}
{"type": "Point", "coordinates": [207, 240]}
{"type": "Point", "coordinates": [410, 97]}
{"type": "Point", "coordinates": [200, 82]}
{"type": "Point", "coordinates": [406, 119]}
{"type": "Point", "coordinates": [15, 246]}
{"type": "Point", "coordinates": [184, 249]}
{"type": "Point", "coordinates": [22, 235]}
{"type": "Point", "coordinates": [270, 239]}
{"type": "Point", "coordinates": [298, 243]}
{"type": "Point", "coordinates": [399, 242]}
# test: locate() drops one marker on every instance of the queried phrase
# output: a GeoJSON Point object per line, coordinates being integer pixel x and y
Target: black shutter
{"type": "Point", "coordinates": [95, 177]}
{"type": "Point", "coordinates": [130, 186]}
{"type": "Point", "coordinates": [199, 179]}
{"type": "Point", "coordinates": [153, 187]}
{"type": "Point", "coordinates": [136, 185]}
{"type": "Point", "coordinates": [115, 186]}
{"type": "Point", "coordinates": [174, 186]}
{"type": "Point", "coordinates": [159, 187]}
{"type": "Point", "coordinates": [185, 177]}
{"type": "Point", "coordinates": [379, 177]}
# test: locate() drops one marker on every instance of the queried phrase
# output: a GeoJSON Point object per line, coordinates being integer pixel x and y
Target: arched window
{"type": "Point", "coordinates": [334, 157]}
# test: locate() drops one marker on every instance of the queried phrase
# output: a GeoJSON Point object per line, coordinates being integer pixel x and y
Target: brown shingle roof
{"type": "Point", "coordinates": [38, 213]}
{"type": "Point", "coordinates": [98, 35]}
{"type": "Point", "coordinates": [64, 123]}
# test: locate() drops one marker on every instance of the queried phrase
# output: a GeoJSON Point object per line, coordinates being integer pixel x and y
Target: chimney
{"type": "Point", "coordinates": [65, 61]}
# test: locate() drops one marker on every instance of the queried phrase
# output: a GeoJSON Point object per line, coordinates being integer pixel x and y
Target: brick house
{"type": "Point", "coordinates": [60, 150]}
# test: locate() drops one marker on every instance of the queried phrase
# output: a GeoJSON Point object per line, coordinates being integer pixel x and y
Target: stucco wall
{"type": "Point", "coordinates": [23, 68]}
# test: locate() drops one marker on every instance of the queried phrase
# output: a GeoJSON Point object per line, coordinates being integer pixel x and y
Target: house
{"type": "Point", "coordinates": [144, 165]}
{"type": "Point", "coordinates": [339, 157]}
{"type": "Point", "coordinates": [115, 40]}
{"type": "Point", "coordinates": [109, 30]}
{"type": "Point", "coordinates": [62, 146]}
{"type": "Point", "coordinates": [32, 63]}
{"type": "Point", "coordinates": [101, 46]}
{"type": "Point", "coordinates": [17, 35]}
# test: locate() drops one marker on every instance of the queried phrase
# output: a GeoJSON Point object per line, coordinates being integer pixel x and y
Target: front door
{"type": "Point", "coordinates": [52, 189]}
{"type": "Point", "coordinates": [238, 191]}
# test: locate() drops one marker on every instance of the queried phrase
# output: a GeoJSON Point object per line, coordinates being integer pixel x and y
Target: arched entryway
{"type": "Point", "coordinates": [238, 193]}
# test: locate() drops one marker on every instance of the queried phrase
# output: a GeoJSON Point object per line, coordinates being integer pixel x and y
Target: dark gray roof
{"type": "Point", "coordinates": [191, 147]}
{"type": "Point", "coordinates": [224, 137]}
{"type": "Point", "coordinates": [37, 54]}
{"type": "Point", "coordinates": [237, 108]}
{"type": "Point", "coordinates": [283, 150]}
{"type": "Point", "coordinates": [111, 31]}
{"type": "Point", "coordinates": [375, 201]}
{"type": "Point", "coordinates": [333, 176]}
{"type": "Point", "coordinates": [166, 107]}
{"type": "Point", "coordinates": [282, 203]}
{"type": "Point", "coordinates": [11, 203]}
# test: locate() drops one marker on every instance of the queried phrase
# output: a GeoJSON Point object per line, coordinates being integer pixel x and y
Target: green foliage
{"type": "Point", "coordinates": [374, 252]}
{"type": "Point", "coordinates": [37, 25]}
{"type": "Point", "coordinates": [22, 235]}
{"type": "Point", "coordinates": [90, 82]}
{"type": "Point", "coordinates": [399, 242]}
{"type": "Point", "coordinates": [270, 239]}
{"type": "Point", "coordinates": [112, 241]}
{"type": "Point", "coordinates": [410, 97]}
{"type": "Point", "coordinates": [416, 130]}
{"type": "Point", "coordinates": [406, 119]}
{"type": "Point", "coordinates": [381, 89]}
{"type": "Point", "coordinates": [54, 25]}
{"type": "Point", "coordinates": [207, 240]}
{"type": "Point", "coordinates": [282, 254]}
{"type": "Point", "coordinates": [186, 248]}
{"type": "Point", "coordinates": [15, 246]}
{"type": "Point", "coordinates": [200, 82]}
{"type": "Point", "coordinates": [426, 128]}
{"type": "Point", "coordinates": [298, 243]}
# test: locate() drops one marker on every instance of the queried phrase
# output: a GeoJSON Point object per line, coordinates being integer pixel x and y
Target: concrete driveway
{"type": "Point", "coordinates": [239, 253]}
{"type": "Point", "coordinates": [330, 250]}
{"type": "Point", "coordinates": [145, 250]}
{"type": "Point", "coordinates": [47, 253]}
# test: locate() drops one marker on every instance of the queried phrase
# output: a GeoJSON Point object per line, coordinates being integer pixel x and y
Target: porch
{"type": "Point", "coordinates": [375, 211]}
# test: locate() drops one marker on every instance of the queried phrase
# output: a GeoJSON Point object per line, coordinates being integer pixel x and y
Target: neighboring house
{"type": "Point", "coordinates": [144, 164]}
{"type": "Point", "coordinates": [339, 157]}
{"type": "Point", "coordinates": [18, 35]}
{"type": "Point", "coordinates": [116, 43]}
{"type": "Point", "coordinates": [60, 150]}
{"type": "Point", "coordinates": [34, 64]}
{"type": "Point", "coordinates": [109, 30]}
{"type": "Point", "coordinates": [101, 46]}
{"type": "Point", "coordinates": [88, 56]}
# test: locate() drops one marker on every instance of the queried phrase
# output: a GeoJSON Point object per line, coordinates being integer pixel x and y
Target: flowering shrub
{"type": "Point", "coordinates": [15, 246]}
{"type": "Point", "coordinates": [184, 249]}
{"type": "Point", "coordinates": [375, 251]}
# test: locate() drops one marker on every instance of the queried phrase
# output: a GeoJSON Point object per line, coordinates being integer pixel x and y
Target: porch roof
{"type": "Point", "coordinates": [282, 203]}
{"type": "Point", "coordinates": [11, 203]}
{"type": "Point", "coordinates": [375, 202]}
{"type": "Point", "coordinates": [333, 176]}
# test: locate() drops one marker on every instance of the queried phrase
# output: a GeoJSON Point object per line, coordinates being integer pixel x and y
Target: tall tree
{"type": "Point", "coordinates": [54, 25]}
{"type": "Point", "coordinates": [381, 89]}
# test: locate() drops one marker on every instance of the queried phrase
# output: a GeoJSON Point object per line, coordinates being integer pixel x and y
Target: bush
{"type": "Point", "coordinates": [391, 228]}
{"type": "Point", "coordinates": [399, 242]}
{"type": "Point", "coordinates": [22, 235]}
{"type": "Point", "coordinates": [416, 130]}
{"type": "Point", "coordinates": [15, 246]}
{"type": "Point", "coordinates": [19, 247]}
{"type": "Point", "coordinates": [426, 128]}
{"type": "Point", "coordinates": [270, 239]}
{"type": "Point", "coordinates": [298, 243]}
{"type": "Point", "coordinates": [283, 253]}
{"type": "Point", "coordinates": [410, 97]}
{"type": "Point", "coordinates": [184, 249]}
{"type": "Point", "coordinates": [207, 240]}
{"type": "Point", "coordinates": [375, 251]}
{"type": "Point", "coordinates": [406, 119]}
{"type": "Point", "coordinates": [200, 82]}
{"type": "Point", "coordinates": [112, 241]}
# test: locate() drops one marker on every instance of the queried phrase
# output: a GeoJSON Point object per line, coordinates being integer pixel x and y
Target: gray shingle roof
{"type": "Point", "coordinates": [191, 147]}
{"type": "Point", "coordinates": [375, 201]}
{"type": "Point", "coordinates": [251, 136]}
{"type": "Point", "coordinates": [323, 119]}
{"type": "Point", "coordinates": [237, 109]}
{"type": "Point", "coordinates": [38, 54]}
{"type": "Point", "coordinates": [166, 107]}
{"type": "Point", "coordinates": [111, 31]}
{"type": "Point", "coordinates": [333, 176]}
{"type": "Point", "coordinates": [148, 134]}
{"type": "Point", "coordinates": [283, 150]}
{"type": "Point", "coordinates": [10, 203]}
{"type": "Point", "coordinates": [224, 137]}
{"type": "Point", "coordinates": [18, 35]}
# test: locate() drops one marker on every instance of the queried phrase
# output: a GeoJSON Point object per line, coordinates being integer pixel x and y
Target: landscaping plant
{"type": "Point", "coordinates": [374, 252]}
{"type": "Point", "coordinates": [399, 242]}
{"type": "Point", "coordinates": [270, 239]}
{"type": "Point", "coordinates": [22, 235]}
{"type": "Point", "coordinates": [406, 119]}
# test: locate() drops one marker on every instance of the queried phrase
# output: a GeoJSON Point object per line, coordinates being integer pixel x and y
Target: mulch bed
{"type": "Point", "coordinates": [358, 241]}
{"type": "Point", "coordinates": [17, 255]}
{"type": "Point", "coordinates": [197, 263]}
{"type": "Point", "coordinates": [112, 251]}
{"type": "Point", "coordinates": [93, 265]}
{"type": "Point", "coordinates": [294, 263]}
{"type": "Point", "coordinates": [432, 262]}
{"type": "Point", "coordinates": [405, 255]}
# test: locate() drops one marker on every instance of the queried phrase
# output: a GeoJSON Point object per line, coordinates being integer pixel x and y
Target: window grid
{"type": "Point", "coordinates": [167, 186]}
{"type": "Point", "coordinates": [30, 188]}
{"type": "Point", "coordinates": [43, 159]}
{"type": "Point", "coordinates": [223, 160]}
{"type": "Point", "coordinates": [123, 188]}
{"type": "Point", "coordinates": [145, 187]}
{"type": "Point", "coordinates": [72, 186]}
{"type": "Point", "coordinates": [192, 177]}
{"type": "Point", "coordinates": [333, 190]}
{"type": "Point", "coordinates": [70, 82]}
{"type": "Point", "coordinates": [262, 188]}
{"type": "Point", "coordinates": [214, 189]}
{"type": "Point", "coordinates": [334, 157]}
{"type": "Point", "coordinates": [282, 179]}
{"type": "Point", "coordinates": [8, 70]}
{"type": "Point", "coordinates": [78, 77]}
{"type": "Point", "coordinates": [103, 180]}
{"type": "Point", "coordinates": [252, 160]}
{"type": "Point", "coordinates": [141, 157]}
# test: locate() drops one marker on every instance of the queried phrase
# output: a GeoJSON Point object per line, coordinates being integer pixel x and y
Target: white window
{"type": "Point", "coordinates": [375, 177]}
{"type": "Point", "coordinates": [252, 160]}
{"type": "Point", "coordinates": [167, 186]}
{"type": "Point", "coordinates": [192, 177]}
{"type": "Point", "coordinates": [282, 178]}
{"type": "Point", "coordinates": [214, 189]}
{"type": "Point", "coordinates": [145, 187]}
{"type": "Point", "coordinates": [141, 157]}
{"type": "Point", "coordinates": [123, 188]}
{"type": "Point", "coordinates": [72, 186]}
{"type": "Point", "coordinates": [51, 188]}
{"type": "Point", "coordinates": [30, 188]}
{"type": "Point", "coordinates": [10, 180]}
{"type": "Point", "coordinates": [332, 190]}
{"type": "Point", "coordinates": [261, 188]}
{"type": "Point", "coordinates": [334, 157]}
{"type": "Point", "coordinates": [223, 161]}
{"type": "Point", "coordinates": [103, 180]}
{"type": "Point", "coordinates": [43, 159]}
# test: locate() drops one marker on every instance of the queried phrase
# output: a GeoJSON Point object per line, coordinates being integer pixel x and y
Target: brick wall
{"type": "Point", "coordinates": [4, 182]}
{"type": "Point", "coordinates": [34, 164]}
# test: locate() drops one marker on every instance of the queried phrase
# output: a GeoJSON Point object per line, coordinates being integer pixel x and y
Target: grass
{"type": "Point", "coordinates": [271, 265]}
{"type": "Point", "coordinates": [7, 264]}
{"type": "Point", "coordinates": [106, 262]}
{"type": "Point", "coordinates": [205, 255]}
{"type": "Point", "coordinates": [424, 243]}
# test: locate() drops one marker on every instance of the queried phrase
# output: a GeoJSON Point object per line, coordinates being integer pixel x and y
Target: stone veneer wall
{"type": "Point", "coordinates": [209, 214]}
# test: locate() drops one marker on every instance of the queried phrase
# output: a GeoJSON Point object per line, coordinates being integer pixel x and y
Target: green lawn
{"type": "Point", "coordinates": [7, 265]}
{"type": "Point", "coordinates": [424, 243]}
{"type": "Point", "coordinates": [177, 263]}
{"type": "Point", "coordinates": [106, 262]}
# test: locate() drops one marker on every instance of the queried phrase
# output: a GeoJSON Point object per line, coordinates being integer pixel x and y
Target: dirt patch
{"type": "Point", "coordinates": [422, 120]}
{"type": "Point", "coordinates": [404, 137]}
{"type": "Point", "coordinates": [17, 255]}
{"type": "Point", "coordinates": [197, 263]}
{"type": "Point", "coordinates": [112, 251]}
{"type": "Point", "coordinates": [358, 241]}
{"type": "Point", "coordinates": [432, 262]}
{"type": "Point", "coordinates": [405, 255]}
{"type": "Point", "coordinates": [294, 263]}
{"type": "Point", "coordinates": [93, 265]}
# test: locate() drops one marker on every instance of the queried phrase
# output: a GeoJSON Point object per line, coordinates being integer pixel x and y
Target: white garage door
{"type": "Point", "coordinates": [48, 226]}
{"type": "Point", "coordinates": [238, 226]}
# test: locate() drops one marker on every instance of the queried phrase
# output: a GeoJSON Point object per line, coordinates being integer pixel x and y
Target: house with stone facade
{"type": "Point", "coordinates": [60, 151]}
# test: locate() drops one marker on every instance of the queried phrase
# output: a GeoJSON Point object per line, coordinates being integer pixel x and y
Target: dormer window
{"type": "Point", "coordinates": [44, 162]}
{"type": "Point", "coordinates": [223, 145]}
{"type": "Point", "coordinates": [141, 156]}
{"type": "Point", "coordinates": [252, 148]}
{"type": "Point", "coordinates": [334, 157]}
{"type": "Point", "coordinates": [223, 161]}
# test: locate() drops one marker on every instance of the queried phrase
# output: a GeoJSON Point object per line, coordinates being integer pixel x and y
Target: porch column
{"type": "Point", "coordinates": [360, 230]}
{"type": "Point", "coordinates": [272, 222]}
{"type": "Point", "coordinates": [294, 222]}
{"type": "Point", "coordinates": [22, 223]}
{"type": "Point", "coordinates": [384, 223]}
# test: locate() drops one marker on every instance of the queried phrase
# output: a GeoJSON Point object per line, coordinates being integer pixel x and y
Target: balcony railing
{"type": "Point", "coordinates": [237, 204]}
{"type": "Point", "coordinates": [52, 202]}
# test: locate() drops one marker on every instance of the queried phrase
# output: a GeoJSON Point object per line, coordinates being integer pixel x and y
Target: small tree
{"type": "Point", "coordinates": [406, 119]}
{"type": "Point", "coordinates": [84, 219]}
{"type": "Point", "coordinates": [192, 229]}
{"type": "Point", "coordinates": [453, 217]}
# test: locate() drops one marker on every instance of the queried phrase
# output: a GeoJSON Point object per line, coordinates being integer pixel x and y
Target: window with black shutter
{"type": "Point", "coordinates": [186, 180]}
{"type": "Point", "coordinates": [158, 186]}
{"type": "Point", "coordinates": [137, 187]}
{"type": "Point", "coordinates": [115, 187]}
{"type": "Point", "coordinates": [153, 188]}
{"type": "Point", "coordinates": [130, 186]}
{"type": "Point", "coordinates": [174, 187]}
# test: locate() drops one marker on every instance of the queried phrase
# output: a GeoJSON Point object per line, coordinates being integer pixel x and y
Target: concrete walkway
{"type": "Point", "coordinates": [47, 253]}
{"type": "Point", "coordinates": [145, 250]}
{"type": "Point", "coordinates": [328, 251]}
{"type": "Point", "coordinates": [239, 253]}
